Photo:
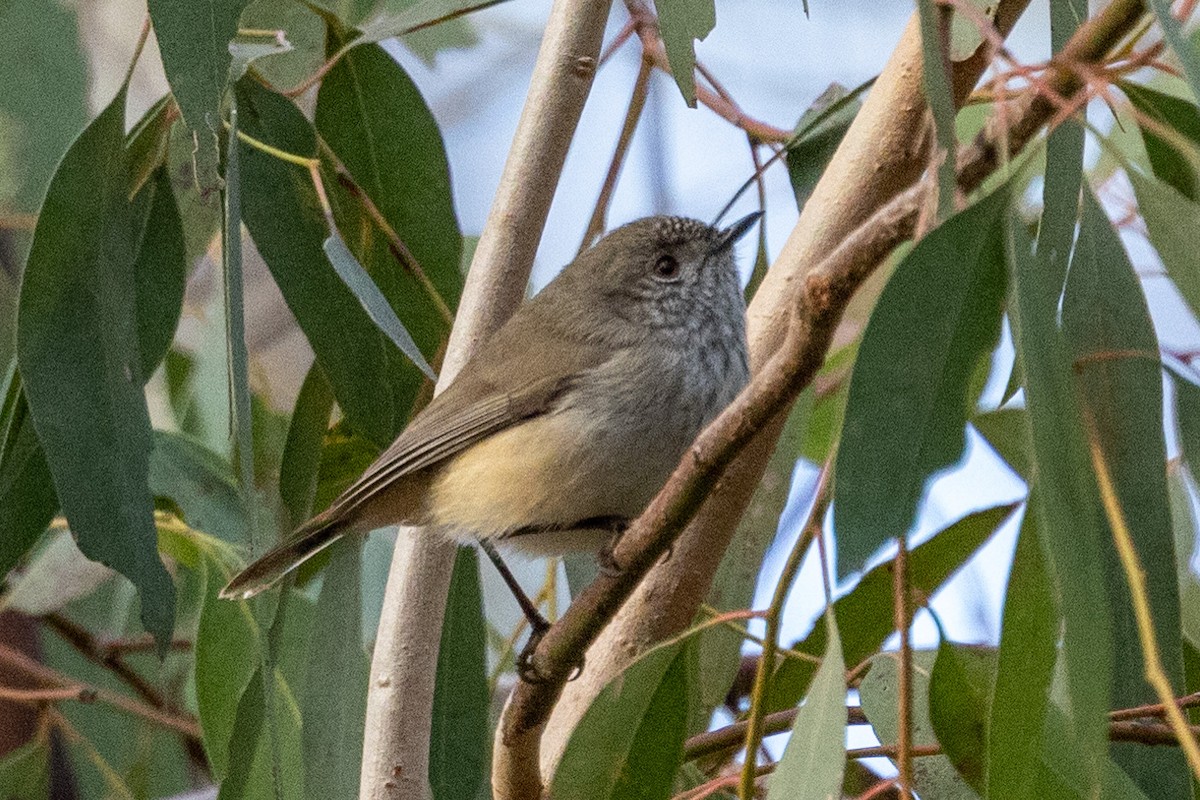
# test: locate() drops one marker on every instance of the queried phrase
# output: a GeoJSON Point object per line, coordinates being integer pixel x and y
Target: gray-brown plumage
{"type": "Point", "coordinates": [572, 415]}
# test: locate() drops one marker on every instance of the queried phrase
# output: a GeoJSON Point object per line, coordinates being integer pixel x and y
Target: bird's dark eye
{"type": "Point", "coordinates": [666, 267]}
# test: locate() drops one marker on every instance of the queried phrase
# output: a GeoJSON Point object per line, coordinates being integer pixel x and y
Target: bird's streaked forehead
{"type": "Point", "coordinates": [679, 230]}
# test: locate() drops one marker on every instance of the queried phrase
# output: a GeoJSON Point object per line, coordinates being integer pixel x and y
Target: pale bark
{"type": "Point", "coordinates": [883, 153]}
{"type": "Point", "coordinates": [403, 669]}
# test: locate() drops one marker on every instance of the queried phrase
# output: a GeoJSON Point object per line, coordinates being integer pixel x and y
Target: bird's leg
{"type": "Point", "coordinates": [538, 625]}
{"type": "Point", "coordinates": [605, 558]}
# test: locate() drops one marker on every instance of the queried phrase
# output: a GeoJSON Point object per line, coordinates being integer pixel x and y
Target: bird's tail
{"type": "Point", "coordinates": [308, 540]}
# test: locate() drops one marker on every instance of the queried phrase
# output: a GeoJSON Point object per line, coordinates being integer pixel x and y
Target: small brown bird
{"type": "Point", "coordinates": [571, 417]}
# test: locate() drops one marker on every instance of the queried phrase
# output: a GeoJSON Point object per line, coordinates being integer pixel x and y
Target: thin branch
{"type": "Point", "coordinates": [766, 663]}
{"type": "Point", "coordinates": [82, 640]}
{"type": "Point", "coordinates": [904, 719]}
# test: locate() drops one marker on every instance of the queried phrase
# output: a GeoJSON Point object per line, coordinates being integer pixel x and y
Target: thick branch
{"type": "Point", "coordinates": [824, 293]}
{"type": "Point", "coordinates": [404, 664]}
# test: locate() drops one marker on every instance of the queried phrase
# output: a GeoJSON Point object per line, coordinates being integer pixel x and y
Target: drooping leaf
{"type": "Point", "coordinates": [1183, 521]}
{"type": "Point", "coordinates": [818, 133]}
{"type": "Point", "coordinates": [1110, 339]}
{"type": "Point", "coordinates": [629, 743]}
{"type": "Point", "coordinates": [160, 270]}
{"type": "Point", "coordinates": [27, 498]}
{"type": "Point", "coordinates": [200, 484]}
{"type": "Point", "coordinates": [1171, 165]}
{"type": "Point", "coordinates": [1065, 499]}
{"type": "Point", "coordinates": [813, 762]}
{"type": "Point", "coordinates": [933, 776]}
{"type": "Point", "coordinates": [937, 317]}
{"type": "Point", "coordinates": [459, 738]}
{"type": "Point", "coordinates": [398, 19]}
{"type": "Point", "coordinates": [78, 354]}
{"type": "Point", "coordinates": [269, 761]}
{"type": "Point", "coordinates": [681, 23]}
{"type": "Point", "coordinates": [958, 710]}
{"type": "Point", "coordinates": [193, 39]}
{"type": "Point", "coordinates": [373, 301]}
{"type": "Point", "coordinates": [1170, 218]}
{"type": "Point", "coordinates": [281, 210]}
{"type": "Point", "coordinates": [1024, 670]}
{"type": "Point", "coordinates": [302, 29]}
{"type": "Point", "coordinates": [301, 460]}
{"type": "Point", "coordinates": [939, 93]}
{"type": "Point", "coordinates": [25, 772]}
{"type": "Point", "coordinates": [42, 59]}
{"type": "Point", "coordinates": [334, 702]}
{"type": "Point", "coordinates": [866, 611]}
{"type": "Point", "coordinates": [147, 144]}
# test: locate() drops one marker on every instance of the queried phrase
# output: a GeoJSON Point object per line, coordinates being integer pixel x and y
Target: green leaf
{"type": "Point", "coordinates": [373, 301]}
{"type": "Point", "coordinates": [1173, 158]}
{"type": "Point", "coordinates": [629, 742]}
{"type": "Point", "coordinates": [372, 116]}
{"type": "Point", "coordinates": [304, 32]}
{"type": "Point", "coordinates": [1110, 339]}
{"type": "Point", "coordinates": [269, 762]}
{"type": "Point", "coordinates": [1170, 219]}
{"type": "Point", "coordinates": [460, 731]}
{"type": "Point", "coordinates": [43, 59]}
{"type": "Point", "coordinates": [1183, 522]}
{"type": "Point", "coordinates": [200, 484]}
{"type": "Point", "coordinates": [398, 19]}
{"type": "Point", "coordinates": [1007, 431]}
{"type": "Point", "coordinates": [938, 316]}
{"type": "Point", "coordinates": [818, 134]}
{"type": "Point", "coordinates": [958, 709]}
{"type": "Point", "coordinates": [814, 761]}
{"type": "Point", "coordinates": [933, 776]}
{"type": "Point", "coordinates": [227, 659]}
{"type": "Point", "coordinates": [27, 498]}
{"type": "Point", "coordinates": [193, 39]}
{"type": "Point", "coordinates": [1185, 49]}
{"type": "Point", "coordinates": [940, 95]}
{"type": "Point", "coordinates": [78, 355]}
{"type": "Point", "coordinates": [866, 611]}
{"type": "Point", "coordinates": [160, 270]}
{"type": "Point", "coordinates": [1024, 671]}
{"type": "Point", "coordinates": [681, 23]}
{"type": "Point", "coordinates": [146, 146]}
{"type": "Point", "coordinates": [1065, 500]}
{"type": "Point", "coordinates": [1187, 403]}
{"type": "Point", "coordinates": [373, 383]}
{"type": "Point", "coordinates": [334, 701]}
{"type": "Point", "coordinates": [301, 460]}
{"type": "Point", "coordinates": [25, 772]}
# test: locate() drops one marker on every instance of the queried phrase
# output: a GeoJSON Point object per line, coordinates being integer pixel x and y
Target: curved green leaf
{"type": "Point", "coordinates": [682, 22]}
{"type": "Point", "coordinates": [78, 354]}
{"type": "Point", "coordinates": [1170, 221]}
{"type": "Point", "coordinates": [1185, 49]}
{"type": "Point", "coordinates": [160, 270]}
{"type": "Point", "coordinates": [908, 405]}
{"type": "Point", "coordinates": [27, 498]}
{"type": "Point", "coordinates": [1110, 339]}
{"type": "Point", "coordinates": [958, 708]}
{"type": "Point", "coordinates": [1170, 165]}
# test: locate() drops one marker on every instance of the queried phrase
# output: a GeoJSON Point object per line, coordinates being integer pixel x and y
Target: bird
{"type": "Point", "coordinates": [569, 419]}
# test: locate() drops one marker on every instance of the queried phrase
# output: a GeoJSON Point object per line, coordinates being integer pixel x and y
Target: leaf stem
{"type": "Point", "coordinates": [275, 152]}
{"type": "Point", "coordinates": [766, 663]}
{"type": "Point", "coordinates": [1156, 674]}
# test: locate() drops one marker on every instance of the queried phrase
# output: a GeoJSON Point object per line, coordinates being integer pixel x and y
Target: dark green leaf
{"type": "Point", "coordinates": [1061, 771]}
{"type": "Point", "coordinates": [1187, 404]}
{"type": "Point", "coordinates": [1065, 500]}
{"type": "Point", "coordinates": [818, 133]}
{"type": "Point", "coordinates": [259, 742]}
{"type": "Point", "coordinates": [1170, 220]}
{"type": "Point", "coordinates": [78, 355]}
{"type": "Point", "coordinates": [200, 484]}
{"type": "Point", "coordinates": [629, 743]}
{"type": "Point", "coordinates": [1007, 431]}
{"type": "Point", "coordinates": [367, 373]}
{"type": "Point", "coordinates": [958, 709]}
{"type": "Point", "coordinates": [935, 60]}
{"type": "Point", "coordinates": [1185, 49]}
{"type": "Point", "coordinates": [302, 453]}
{"type": "Point", "coordinates": [398, 19]}
{"type": "Point", "coordinates": [460, 733]}
{"type": "Point", "coordinates": [681, 22]}
{"type": "Point", "coordinates": [1024, 671]}
{"type": "Point", "coordinates": [304, 31]}
{"type": "Point", "coordinates": [933, 776]}
{"type": "Point", "coordinates": [937, 317]}
{"type": "Point", "coordinates": [27, 498]}
{"type": "Point", "coordinates": [866, 613]}
{"type": "Point", "coordinates": [193, 39]}
{"type": "Point", "coordinates": [1184, 523]}
{"type": "Point", "coordinates": [1110, 339]}
{"type": "Point", "coordinates": [373, 301]}
{"type": "Point", "coordinates": [160, 270]}
{"type": "Point", "coordinates": [42, 60]}
{"type": "Point", "coordinates": [25, 772]}
{"type": "Point", "coordinates": [334, 702]}
{"type": "Point", "coordinates": [814, 761]}
{"type": "Point", "coordinates": [1170, 164]}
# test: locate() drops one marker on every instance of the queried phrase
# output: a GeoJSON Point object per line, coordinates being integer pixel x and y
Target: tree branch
{"type": "Point", "coordinates": [815, 299]}
{"type": "Point", "coordinates": [403, 667]}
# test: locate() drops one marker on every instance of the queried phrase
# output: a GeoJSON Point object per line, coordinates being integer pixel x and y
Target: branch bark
{"type": "Point", "coordinates": [881, 154]}
{"type": "Point", "coordinates": [403, 667]}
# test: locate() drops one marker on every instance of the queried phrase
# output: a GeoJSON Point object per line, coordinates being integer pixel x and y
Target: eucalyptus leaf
{"type": "Point", "coordinates": [681, 23]}
{"type": "Point", "coordinates": [1170, 218]}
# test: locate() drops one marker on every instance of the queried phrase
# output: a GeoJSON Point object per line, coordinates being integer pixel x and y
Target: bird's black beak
{"type": "Point", "coordinates": [734, 232]}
